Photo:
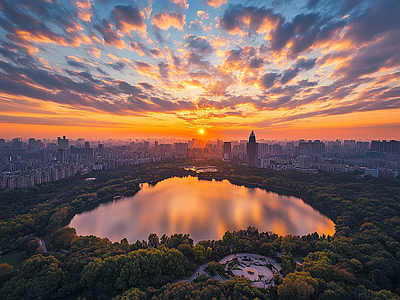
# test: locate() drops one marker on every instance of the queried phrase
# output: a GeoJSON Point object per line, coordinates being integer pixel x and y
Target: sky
{"type": "Point", "coordinates": [313, 69]}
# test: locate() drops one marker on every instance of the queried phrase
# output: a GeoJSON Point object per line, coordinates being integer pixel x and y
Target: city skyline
{"type": "Point", "coordinates": [307, 69]}
{"type": "Point", "coordinates": [81, 140]}
{"type": "Point", "coordinates": [24, 164]}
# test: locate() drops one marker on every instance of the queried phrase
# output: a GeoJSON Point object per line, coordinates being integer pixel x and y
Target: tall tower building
{"type": "Point", "coordinates": [63, 143]}
{"type": "Point", "coordinates": [227, 150]}
{"type": "Point", "coordinates": [252, 151]}
{"type": "Point", "coordinates": [156, 147]}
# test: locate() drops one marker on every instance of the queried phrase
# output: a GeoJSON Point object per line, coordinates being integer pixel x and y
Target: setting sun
{"type": "Point", "coordinates": [201, 131]}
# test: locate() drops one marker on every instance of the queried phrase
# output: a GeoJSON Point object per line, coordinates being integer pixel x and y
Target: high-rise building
{"type": "Point", "coordinates": [311, 147]}
{"type": "Point", "coordinates": [63, 143]}
{"type": "Point", "coordinates": [275, 149]}
{"type": "Point", "coordinates": [304, 161]}
{"type": "Point", "coordinates": [227, 150]}
{"type": "Point", "coordinates": [263, 150]}
{"type": "Point", "coordinates": [384, 146]}
{"type": "Point", "coordinates": [61, 156]}
{"type": "Point", "coordinates": [349, 144]}
{"type": "Point", "coordinates": [181, 149]}
{"type": "Point", "coordinates": [17, 143]}
{"type": "Point", "coordinates": [31, 142]}
{"type": "Point", "coordinates": [252, 151]}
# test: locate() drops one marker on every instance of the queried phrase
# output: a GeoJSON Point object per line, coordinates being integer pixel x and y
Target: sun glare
{"type": "Point", "coordinates": [201, 131]}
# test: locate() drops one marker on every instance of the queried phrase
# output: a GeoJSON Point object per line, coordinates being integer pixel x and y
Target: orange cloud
{"type": "Point", "coordinates": [110, 36]}
{"type": "Point", "coordinates": [39, 37]}
{"type": "Point", "coordinates": [148, 9]}
{"type": "Point", "coordinates": [146, 69]}
{"type": "Point", "coordinates": [140, 48]}
{"type": "Point", "coordinates": [157, 53]}
{"type": "Point", "coordinates": [121, 59]}
{"type": "Point", "coordinates": [84, 12]}
{"type": "Point", "coordinates": [78, 38]}
{"type": "Point", "coordinates": [181, 3]}
{"type": "Point", "coordinates": [389, 78]}
{"type": "Point", "coordinates": [193, 83]}
{"type": "Point", "coordinates": [165, 20]}
{"type": "Point", "coordinates": [46, 64]}
{"type": "Point", "coordinates": [25, 43]}
{"type": "Point", "coordinates": [129, 18]}
{"type": "Point", "coordinates": [94, 37]}
{"type": "Point", "coordinates": [216, 3]}
{"type": "Point", "coordinates": [267, 25]}
{"type": "Point", "coordinates": [79, 60]}
{"type": "Point", "coordinates": [94, 51]}
{"type": "Point", "coordinates": [218, 88]}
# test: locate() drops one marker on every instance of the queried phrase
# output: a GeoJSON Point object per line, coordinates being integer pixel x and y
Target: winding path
{"type": "Point", "coordinates": [43, 245]}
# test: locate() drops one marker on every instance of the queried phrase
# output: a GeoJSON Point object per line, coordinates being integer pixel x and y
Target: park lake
{"type": "Point", "coordinates": [203, 208]}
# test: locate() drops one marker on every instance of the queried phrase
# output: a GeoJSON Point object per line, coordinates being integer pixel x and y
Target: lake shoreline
{"type": "Point", "coordinates": [182, 223]}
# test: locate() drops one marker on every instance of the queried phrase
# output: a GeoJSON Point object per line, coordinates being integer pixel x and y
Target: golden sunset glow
{"type": "Point", "coordinates": [137, 70]}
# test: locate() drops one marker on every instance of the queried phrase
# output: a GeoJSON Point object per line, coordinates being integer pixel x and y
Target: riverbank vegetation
{"type": "Point", "coordinates": [361, 261]}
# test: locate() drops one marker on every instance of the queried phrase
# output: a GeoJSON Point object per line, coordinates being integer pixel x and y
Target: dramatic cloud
{"type": "Point", "coordinates": [202, 63]}
{"type": "Point", "coordinates": [268, 80]}
{"type": "Point", "coordinates": [216, 3]}
{"type": "Point", "coordinates": [299, 34]}
{"type": "Point", "coordinates": [25, 28]}
{"type": "Point", "coordinates": [383, 17]}
{"type": "Point", "coordinates": [128, 18]}
{"type": "Point", "coordinates": [84, 11]}
{"type": "Point", "coordinates": [165, 20]}
{"type": "Point", "coordinates": [181, 4]}
{"type": "Point", "coordinates": [110, 36]}
{"type": "Point", "coordinates": [140, 48]}
{"type": "Point", "coordinates": [94, 51]}
{"type": "Point", "coordinates": [249, 19]}
{"type": "Point", "coordinates": [301, 64]}
{"type": "Point", "coordinates": [199, 44]}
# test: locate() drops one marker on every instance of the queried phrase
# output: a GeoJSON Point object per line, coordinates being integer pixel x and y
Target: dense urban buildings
{"type": "Point", "coordinates": [28, 162]}
{"type": "Point", "coordinates": [384, 146]}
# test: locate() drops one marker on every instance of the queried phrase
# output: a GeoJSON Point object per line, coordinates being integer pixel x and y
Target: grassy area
{"type": "Point", "coordinates": [12, 259]}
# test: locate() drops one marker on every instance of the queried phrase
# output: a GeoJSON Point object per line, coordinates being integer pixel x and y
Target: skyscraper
{"type": "Point", "coordinates": [63, 143]}
{"type": "Point", "coordinates": [252, 151]}
{"type": "Point", "coordinates": [227, 150]}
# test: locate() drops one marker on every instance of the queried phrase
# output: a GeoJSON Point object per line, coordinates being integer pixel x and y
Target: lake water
{"type": "Point", "coordinates": [204, 209]}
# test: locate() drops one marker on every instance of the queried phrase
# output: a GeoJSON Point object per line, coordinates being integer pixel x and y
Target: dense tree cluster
{"type": "Point", "coordinates": [238, 288]}
{"type": "Point", "coordinates": [103, 278]}
{"type": "Point", "coordinates": [40, 277]}
{"type": "Point", "coordinates": [361, 261]}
